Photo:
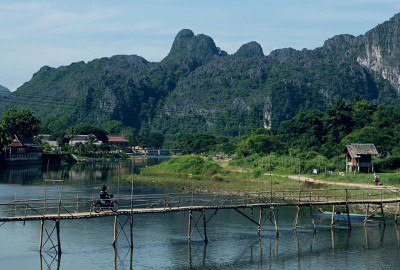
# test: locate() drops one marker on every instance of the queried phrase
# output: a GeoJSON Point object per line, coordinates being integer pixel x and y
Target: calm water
{"type": "Point", "coordinates": [160, 240]}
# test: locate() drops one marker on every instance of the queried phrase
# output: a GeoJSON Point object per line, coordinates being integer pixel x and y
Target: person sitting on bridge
{"type": "Point", "coordinates": [104, 196]}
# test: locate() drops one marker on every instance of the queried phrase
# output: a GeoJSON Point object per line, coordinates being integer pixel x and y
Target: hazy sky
{"type": "Point", "coordinates": [60, 32]}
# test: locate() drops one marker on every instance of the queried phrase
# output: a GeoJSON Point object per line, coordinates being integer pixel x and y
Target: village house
{"type": "Point", "coordinates": [84, 139]}
{"type": "Point", "coordinates": [119, 142]}
{"type": "Point", "coordinates": [138, 150]}
{"type": "Point", "coordinates": [359, 157]}
{"type": "Point", "coordinates": [46, 139]}
{"type": "Point", "coordinates": [23, 150]}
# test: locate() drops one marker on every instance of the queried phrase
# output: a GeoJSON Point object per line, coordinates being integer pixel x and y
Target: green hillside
{"type": "Point", "coordinates": [199, 88]}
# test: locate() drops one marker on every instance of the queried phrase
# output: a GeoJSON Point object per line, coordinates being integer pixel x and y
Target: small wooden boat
{"type": "Point", "coordinates": [338, 216]}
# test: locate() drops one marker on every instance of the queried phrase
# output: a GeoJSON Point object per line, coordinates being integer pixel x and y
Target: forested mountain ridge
{"type": "Point", "coordinates": [4, 91]}
{"type": "Point", "coordinates": [198, 87]}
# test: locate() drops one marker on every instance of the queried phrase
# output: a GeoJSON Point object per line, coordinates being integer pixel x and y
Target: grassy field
{"type": "Point", "coordinates": [392, 178]}
{"type": "Point", "coordinates": [220, 176]}
{"type": "Point", "coordinates": [194, 173]}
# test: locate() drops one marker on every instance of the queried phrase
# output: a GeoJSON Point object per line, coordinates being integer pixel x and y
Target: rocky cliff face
{"type": "Point", "coordinates": [198, 87]}
{"type": "Point", "coordinates": [379, 51]}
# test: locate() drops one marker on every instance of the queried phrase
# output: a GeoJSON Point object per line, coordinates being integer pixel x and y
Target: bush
{"type": "Point", "coordinates": [387, 163]}
{"type": "Point", "coordinates": [190, 165]}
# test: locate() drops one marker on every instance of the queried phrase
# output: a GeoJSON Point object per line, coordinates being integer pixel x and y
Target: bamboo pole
{"type": "Point", "coordinates": [58, 236]}
{"type": "Point", "coordinates": [275, 222]}
{"type": "Point", "coordinates": [366, 214]}
{"type": "Point", "coordinates": [115, 231]}
{"type": "Point", "coordinates": [332, 218]}
{"type": "Point", "coordinates": [205, 226]}
{"type": "Point", "coordinates": [41, 235]}
{"type": "Point", "coordinates": [348, 212]}
{"type": "Point", "coordinates": [297, 219]}
{"type": "Point", "coordinates": [190, 254]}
{"type": "Point", "coordinates": [190, 225]}
{"type": "Point", "coordinates": [77, 202]}
{"type": "Point", "coordinates": [131, 223]}
{"type": "Point", "coordinates": [259, 222]}
{"type": "Point", "coordinates": [312, 218]}
{"type": "Point", "coordinates": [383, 216]}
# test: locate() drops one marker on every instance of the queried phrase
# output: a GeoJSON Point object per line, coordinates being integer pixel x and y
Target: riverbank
{"type": "Point", "coordinates": [193, 173]}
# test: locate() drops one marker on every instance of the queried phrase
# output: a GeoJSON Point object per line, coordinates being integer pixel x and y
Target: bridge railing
{"type": "Point", "coordinates": [62, 205]}
{"type": "Point", "coordinates": [40, 207]}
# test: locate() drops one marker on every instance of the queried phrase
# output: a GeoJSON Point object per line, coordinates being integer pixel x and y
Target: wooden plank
{"type": "Point", "coordinates": [129, 211]}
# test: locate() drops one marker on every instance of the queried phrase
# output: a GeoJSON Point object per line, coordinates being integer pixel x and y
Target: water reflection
{"type": "Point", "coordinates": [49, 261]}
{"type": "Point", "coordinates": [88, 173]}
{"type": "Point", "coordinates": [160, 241]}
{"type": "Point", "coordinates": [293, 249]}
{"type": "Point", "coordinates": [121, 259]}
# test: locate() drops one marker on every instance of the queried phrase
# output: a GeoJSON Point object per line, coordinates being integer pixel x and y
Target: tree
{"type": "Point", "coordinates": [87, 130]}
{"type": "Point", "coordinates": [130, 134]}
{"type": "Point", "coordinates": [304, 131]}
{"type": "Point", "coordinates": [21, 123]}
{"type": "Point", "coordinates": [362, 113]}
{"type": "Point", "coordinates": [260, 141]}
{"type": "Point", "coordinates": [382, 140]}
{"type": "Point", "coordinates": [195, 142]}
{"type": "Point", "coordinates": [338, 121]}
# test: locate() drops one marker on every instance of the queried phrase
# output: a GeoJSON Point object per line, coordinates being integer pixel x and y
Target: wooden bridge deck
{"type": "Point", "coordinates": [80, 208]}
{"type": "Point", "coordinates": [56, 209]}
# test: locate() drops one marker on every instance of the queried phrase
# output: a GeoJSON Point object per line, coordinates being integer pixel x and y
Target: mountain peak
{"type": "Point", "coordinates": [4, 91]}
{"type": "Point", "coordinates": [198, 48]}
{"type": "Point", "coordinates": [251, 49]}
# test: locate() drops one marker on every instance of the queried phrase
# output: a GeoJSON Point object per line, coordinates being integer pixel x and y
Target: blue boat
{"type": "Point", "coordinates": [338, 216]}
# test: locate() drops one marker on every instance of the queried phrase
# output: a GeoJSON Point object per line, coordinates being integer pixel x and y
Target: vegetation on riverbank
{"type": "Point", "coordinates": [194, 173]}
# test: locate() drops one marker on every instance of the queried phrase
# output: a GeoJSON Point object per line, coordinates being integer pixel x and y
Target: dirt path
{"type": "Point", "coordinates": [326, 182]}
{"type": "Point", "coordinates": [224, 163]}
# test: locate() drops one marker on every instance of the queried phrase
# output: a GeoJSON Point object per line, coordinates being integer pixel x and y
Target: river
{"type": "Point", "coordinates": [160, 241]}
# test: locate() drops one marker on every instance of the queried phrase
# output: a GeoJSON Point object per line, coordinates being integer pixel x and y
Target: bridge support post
{"type": "Point", "coordinates": [205, 226]}
{"type": "Point", "coordinates": [119, 229]}
{"type": "Point", "coordinates": [131, 224]}
{"type": "Point", "coordinates": [396, 217]}
{"type": "Point", "coordinates": [43, 242]}
{"type": "Point", "coordinates": [205, 221]}
{"type": "Point", "coordinates": [348, 216]}
{"type": "Point", "coordinates": [348, 213]}
{"type": "Point", "coordinates": [312, 218]}
{"type": "Point", "coordinates": [115, 231]}
{"type": "Point", "coordinates": [58, 236]}
{"type": "Point", "coordinates": [259, 222]}
{"type": "Point", "coordinates": [41, 236]}
{"type": "Point", "coordinates": [190, 225]}
{"type": "Point", "coordinates": [383, 216]}
{"type": "Point", "coordinates": [297, 220]}
{"type": "Point", "coordinates": [273, 219]}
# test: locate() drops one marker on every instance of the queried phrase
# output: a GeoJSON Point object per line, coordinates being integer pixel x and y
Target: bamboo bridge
{"type": "Point", "coordinates": [370, 201]}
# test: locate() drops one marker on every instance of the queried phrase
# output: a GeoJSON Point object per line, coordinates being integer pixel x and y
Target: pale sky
{"type": "Point", "coordinates": [60, 32]}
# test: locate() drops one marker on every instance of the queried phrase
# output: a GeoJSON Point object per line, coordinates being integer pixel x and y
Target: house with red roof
{"type": "Point", "coordinates": [22, 150]}
{"type": "Point", "coordinates": [119, 142]}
